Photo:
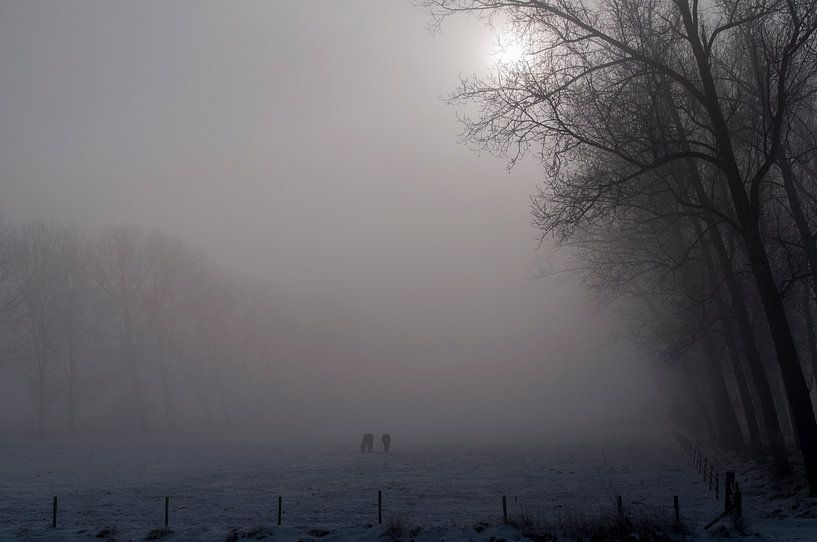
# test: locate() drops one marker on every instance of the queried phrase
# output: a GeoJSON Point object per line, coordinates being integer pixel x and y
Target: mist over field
{"type": "Point", "coordinates": [425, 256]}
{"type": "Point", "coordinates": [306, 147]}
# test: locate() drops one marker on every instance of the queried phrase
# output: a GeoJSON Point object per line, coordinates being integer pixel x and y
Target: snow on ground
{"type": "Point", "coordinates": [773, 496]}
{"type": "Point", "coordinates": [215, 486]}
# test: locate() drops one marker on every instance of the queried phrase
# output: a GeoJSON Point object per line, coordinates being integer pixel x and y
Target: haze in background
{"type": "Point", "coordinates": [306, 143]}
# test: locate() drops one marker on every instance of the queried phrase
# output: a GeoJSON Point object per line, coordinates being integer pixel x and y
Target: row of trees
{"type": "Point", "coordinates": [680, 142]}
{"type": "Point", "coordinates": [123, 329]}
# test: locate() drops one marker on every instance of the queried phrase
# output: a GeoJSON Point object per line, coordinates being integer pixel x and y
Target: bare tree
{"type": "Point", "coordinates": [74, 318]}
{"type": "Point", "coordinates": [119, 271]}
{"type": "Point", "coordinates": [38, 264]}
{"type": "Point", "coordinates": [579, 95]}
{"type": "Point", "coordinates": [120, 319]}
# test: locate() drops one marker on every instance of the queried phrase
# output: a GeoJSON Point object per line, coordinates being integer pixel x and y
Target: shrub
{"type": "Point", "coordinates": [156, 534]}
{"type": "Point", "coordinates": [398, 527]}
{"type": "Point", "coordinates": [256, 533]}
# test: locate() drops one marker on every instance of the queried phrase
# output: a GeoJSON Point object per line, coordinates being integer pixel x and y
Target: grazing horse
{"type": "Point", "coordinates": [386, 438]}
{"type": "Point", "coordinates": [367, 443]}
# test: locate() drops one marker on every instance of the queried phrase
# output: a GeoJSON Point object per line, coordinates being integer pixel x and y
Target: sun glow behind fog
{"type": "Point", "coordinates": [509, 49]}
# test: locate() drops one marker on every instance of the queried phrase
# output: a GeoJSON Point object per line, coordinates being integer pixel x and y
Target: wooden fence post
{"type": "Point", "coordinates": [677, 509]}
{"type": "Point", "coordinates": [504, 510]}
{"type": "Point", "coordinates": [620, 506]}
{"type": "Point", "coordinates": [738, 503]}
{"type": "Point", "coordinates": [379, 506]}
{"type": "Point", "coordinates": [167, 511]}
{"type": "Point", "coordinates": [279, 510]}
{"type": "Point", "coordinates": [728, 492]}
{"type": "Point", "coordinates": [717, 486]}
{"type": "Point", "coordinates": [54, 513]}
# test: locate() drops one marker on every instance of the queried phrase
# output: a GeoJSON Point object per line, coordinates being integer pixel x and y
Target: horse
{"type": "Point", "coordinates": [386, 438]}
{"type": "Point", "coordinates": [367, 443]}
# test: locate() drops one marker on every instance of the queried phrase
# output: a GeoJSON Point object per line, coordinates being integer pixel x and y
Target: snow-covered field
{"type": "Point", "coordinates": [216, 485]}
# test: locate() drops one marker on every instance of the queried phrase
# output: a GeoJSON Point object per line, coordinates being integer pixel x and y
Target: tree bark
{"type": "Point", "coordinates": [736, 295]}
{"type": "Point", "coordinates": [701, 404]}
{"type": "Point", "coordinates": [812, 340]}
{"type": "Point", "coordinates": [727, 421]}
{"type": "Point", "coordinates": [748, 218]}
{"type": "Point", "coordinates": [743, 387]}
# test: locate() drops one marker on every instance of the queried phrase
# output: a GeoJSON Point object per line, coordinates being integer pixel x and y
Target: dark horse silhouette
{"type": "Point", "coordinates": [386, 438]}
{"type": "Point", "coordinates": [367, 444]}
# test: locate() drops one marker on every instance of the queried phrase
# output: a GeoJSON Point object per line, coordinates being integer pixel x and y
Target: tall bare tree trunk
{"type": "Point", "coordinates": [736, 294]}
{"type": "Point", "coordinates": [812, 340]}
{"type": "Point", "coordinates": [716, 241]}
{"type": "Point", "coordinates": [700, 403]}
{"type": "Point", "coordinates": [743, 388]}
{"type": "Point", "coordinates": [748, 218]}
{"type": "Point", "coordinates": [725, 417]}
{"type": "Point", "coordinates": [809, 243]}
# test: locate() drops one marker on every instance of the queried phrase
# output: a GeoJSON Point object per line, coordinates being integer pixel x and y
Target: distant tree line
{"type": "Point", "coordinates": [680, 144]}
{"type": "Point", "coordinates": [123, 329]}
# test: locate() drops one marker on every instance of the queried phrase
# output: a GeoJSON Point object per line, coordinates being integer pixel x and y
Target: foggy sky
{"type": "Point", "coordinates": [306, 143]}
